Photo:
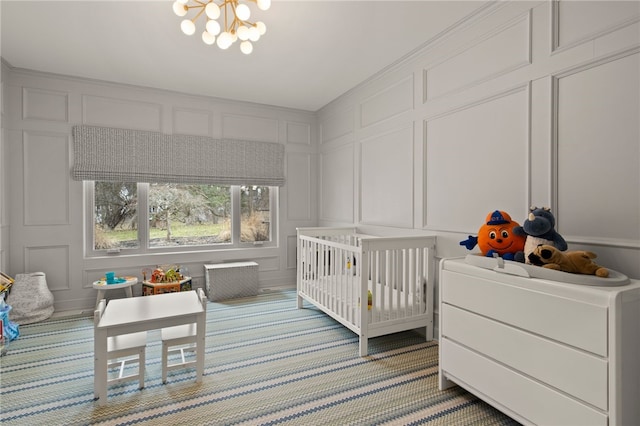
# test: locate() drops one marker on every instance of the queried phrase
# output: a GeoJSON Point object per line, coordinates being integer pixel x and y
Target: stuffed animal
{"type": "Point", "coordinates": [539, 228]}
{"type": "Point", "coordinates": [496, 236]}
{"type": "Point", "coordinates": [575, 261]}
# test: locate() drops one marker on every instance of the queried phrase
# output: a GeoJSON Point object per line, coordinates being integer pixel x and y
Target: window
{"type": "Point", "coordinates": [155, 217]}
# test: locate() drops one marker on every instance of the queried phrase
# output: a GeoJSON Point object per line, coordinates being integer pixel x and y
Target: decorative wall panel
{"type": "Point", "coordinates": [578, 21]}
{"type": "Point", "coordinates": [387, 179]}
{"type": "Point", "coordinates": [502, 51]}
{"type": "Point", "coordinates": [598, 150]}
{"type": "Point", "coordinates": [249, 128]}
{"type": "Point", "coordinates": [391, 101]}
{"type": "Point", "coordinates": [121, 113]}
{"type": "Point", "coordinates": [292, 250]}
{"type": "Point", "coordinates": [299, 186]}
{"type": "Point", "coordinates": [336, 125]}
{"type": "Point", "coordinates": [192, 122]}
{"type": "Point", "coordinates": [337, 184]}
{"type": "Point", "coordinates": [298, 133]}
{"type": "Point", "coordinates": [39, 104]}
{"type": "Point", "coordinates": [53, 261]}
{"type": "Point", "coordinates": [477, 162]}
{"type": "Point", "coordinates": [46, 178]}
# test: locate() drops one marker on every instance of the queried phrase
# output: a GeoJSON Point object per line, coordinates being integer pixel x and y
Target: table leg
{"type": "Point", "coordinates": [100, 366]}
{"type": "Point", "coordinates": [100, 297]}
{"type": "Point", "coordinates": [200, 346]}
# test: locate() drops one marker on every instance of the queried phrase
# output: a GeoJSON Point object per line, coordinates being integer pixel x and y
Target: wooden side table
{"type": "Point", "coordinates": [102, 287]}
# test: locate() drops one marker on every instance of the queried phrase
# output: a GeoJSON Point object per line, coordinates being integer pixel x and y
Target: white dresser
{"type": "Point", "coordinates": [543, 352]}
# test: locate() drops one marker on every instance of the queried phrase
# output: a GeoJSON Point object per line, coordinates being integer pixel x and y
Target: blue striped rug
{"type": "Point", "coordinates": [266, 362]}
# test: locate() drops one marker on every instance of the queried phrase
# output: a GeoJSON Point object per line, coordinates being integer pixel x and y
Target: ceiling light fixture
{"type": "Point", "coordinates": [234, 24]}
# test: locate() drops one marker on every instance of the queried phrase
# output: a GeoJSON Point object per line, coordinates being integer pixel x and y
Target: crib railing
{"type": "Point", "coordinates": [338, 269]}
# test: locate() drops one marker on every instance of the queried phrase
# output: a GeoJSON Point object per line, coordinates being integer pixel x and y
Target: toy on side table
{"type": "Point", "coordinates": [539, 228]}
{"type": "Point", "coordinates": [496, 237]}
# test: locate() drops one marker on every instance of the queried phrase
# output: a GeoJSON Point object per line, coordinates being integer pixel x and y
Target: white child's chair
{"type": "Point", "coordinates": [181, 338]}
{"type": "Point", "coordinates": [131, 345]}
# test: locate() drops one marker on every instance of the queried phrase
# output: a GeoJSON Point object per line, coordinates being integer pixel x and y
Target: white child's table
{"type": "Point", "coordinates": [131, 315]}
{"type": "Point", "coordinates": [102, 287]}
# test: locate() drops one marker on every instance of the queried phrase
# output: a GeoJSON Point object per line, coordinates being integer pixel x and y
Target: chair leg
{"type": "Point", "coordinates": [141, 366]}
{"type": "Point", "coordinates": [165, 361]}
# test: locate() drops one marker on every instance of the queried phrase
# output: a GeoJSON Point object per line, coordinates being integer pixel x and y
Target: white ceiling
{"type": "Point", "coordinates": [313, 51]}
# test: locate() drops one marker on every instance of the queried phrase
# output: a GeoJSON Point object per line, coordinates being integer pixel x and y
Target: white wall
{"type": "Point", "coordinates": [526, 103]}
{"type": "Point", "coordinates": [46, 206]}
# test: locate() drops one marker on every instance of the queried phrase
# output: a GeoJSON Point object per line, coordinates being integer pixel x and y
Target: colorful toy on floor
{"type": "Point", "coordinates": [574, 261]}
{"type": "Point", "coordinates": [496, 237]}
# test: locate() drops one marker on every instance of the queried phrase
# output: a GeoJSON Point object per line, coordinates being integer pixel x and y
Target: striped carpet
{"type": "Point", "coordinates": [266, 362]}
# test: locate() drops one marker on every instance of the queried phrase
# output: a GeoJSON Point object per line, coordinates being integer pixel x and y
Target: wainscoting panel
{"type": "Point", "coordinates": [46, 178]}
{"type": "Point", "coordinates": [53, 260]}
{"type": "Point", "coordinates": [298, 133]}
{"type": "Point", "coordinates": [387, 103]}
{"type": "Point", "coordinates": [337, 184]}
{"type": "Point", "coordinates": [299, 187]}
{"type": "Point", "coordinates": [477, 161]}
{"type": "Point", "coordinates": [387, 179]}
{"type": "Point", "coordinates": [292, 251]}
{"type": "Point", "coordinates": [499, 52]}
{"type": "Point", "coordinates": [247, 127]}
{"type": "Point", "coordinates": [579, 21]}
{"type": "Point", "coordinates": [50, 105]}
{"type": "Point", "coordinates": [122, 113]}
{"type": "Point", "coordinates": [196, 122]}
{"type": "Point", "coordinates": [598, 151]}
{"type": "Point", "coordinates": [336, 125]}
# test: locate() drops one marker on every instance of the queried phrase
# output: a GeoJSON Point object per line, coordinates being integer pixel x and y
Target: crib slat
{"type": "Point", "coordinates": [337, 268]}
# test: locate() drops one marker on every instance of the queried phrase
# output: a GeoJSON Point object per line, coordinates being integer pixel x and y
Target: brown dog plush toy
{"type": "Point", "coordinates": [577, 261]}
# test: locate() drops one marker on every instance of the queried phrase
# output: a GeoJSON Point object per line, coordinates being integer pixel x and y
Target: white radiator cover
{"type": "Point", "coordinates": [231, 280]}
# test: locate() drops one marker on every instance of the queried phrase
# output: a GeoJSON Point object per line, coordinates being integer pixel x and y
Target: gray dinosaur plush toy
{"type": "Point", "coordinates": [539, 228]}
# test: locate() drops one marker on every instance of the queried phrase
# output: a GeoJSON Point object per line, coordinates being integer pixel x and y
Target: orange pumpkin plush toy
{"type": "Point", "coordinates": [496, 237]}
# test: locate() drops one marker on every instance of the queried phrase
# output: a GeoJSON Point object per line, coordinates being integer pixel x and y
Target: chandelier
{"type": "Point", "coordinates": [234, 22]}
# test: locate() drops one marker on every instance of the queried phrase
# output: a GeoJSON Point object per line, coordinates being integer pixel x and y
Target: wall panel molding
{"type": "Point", "coordinates": [337, 184]}
{"type": "Point", "coordinates": [121, 113]}
{"type": "Point", "coordinates": [292, 251]}
{"type": "Point", "coordinates": [48, 105]}
{"type": "Point", "coordinates": [508, 47]}
{"type": "Point", "coordinates": [298, 133]}
{"type": "Point", "coordinates": [386, 178]}
{"type": "Point", "coordinates": [337, 125]}
{"type": "Point", "coordinates": [388, 102]}
{"type": "Point", "coordinates": [586, 21]}
{"type": "Point", "coordinates": [466, 152]}
{"type": "Point", "coordinates": [249, 127]}
{"type": "Point", "coordinates": [196, 122]}
{"type": "Point", "coordinates": [299, 190]}
{"type": "Point", "coordinates": [611, 131]}
{"type": "Point", "coordinates": [53, 260]}
{"type": "Point", "coordinates": [46, 178]}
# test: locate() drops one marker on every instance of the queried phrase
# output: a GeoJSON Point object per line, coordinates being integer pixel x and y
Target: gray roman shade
{"type": "Point", "coordinates": [108, 154]}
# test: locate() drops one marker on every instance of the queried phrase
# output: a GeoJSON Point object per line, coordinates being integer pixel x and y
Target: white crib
{"type": "Point", "coordinates": [394, 276]}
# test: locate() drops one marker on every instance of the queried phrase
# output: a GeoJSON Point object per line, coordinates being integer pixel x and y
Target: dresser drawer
{"type": "Point", "coordinates": [574, 322]}
{"type": "Point", "coordinates": [575, 372]}
{"type": "Point", "coordinates": [506, 388]}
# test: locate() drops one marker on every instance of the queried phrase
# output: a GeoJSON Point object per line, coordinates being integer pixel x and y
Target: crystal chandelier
{"type": "Point", "coordinates": [234, 21]}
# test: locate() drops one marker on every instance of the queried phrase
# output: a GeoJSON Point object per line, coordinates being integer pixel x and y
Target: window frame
{"type": "Point", "coordinates": [143, 226]}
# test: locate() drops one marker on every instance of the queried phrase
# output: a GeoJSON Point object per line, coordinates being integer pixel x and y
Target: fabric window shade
{"type": "Point", "coordinates": [110, 154]}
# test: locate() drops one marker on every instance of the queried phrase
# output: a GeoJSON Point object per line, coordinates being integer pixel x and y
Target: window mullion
{"type": "Point", "coordinates": [143, 216]}
{"type": "Point", "coordinates": [236, 215]}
